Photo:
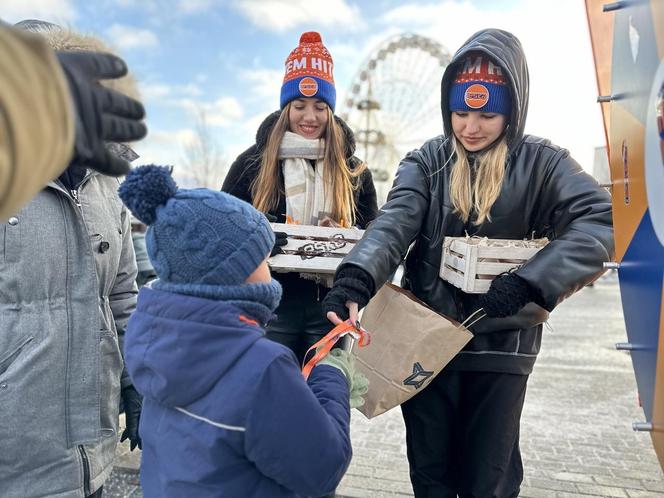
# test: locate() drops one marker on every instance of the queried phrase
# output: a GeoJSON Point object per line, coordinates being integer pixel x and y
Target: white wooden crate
{"type": "Point", "coordinates": [471, 263]}
{"type": "Point", "coordinates": [312, 249]}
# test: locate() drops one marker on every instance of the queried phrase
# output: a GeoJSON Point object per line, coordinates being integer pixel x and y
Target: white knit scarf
{"type": "Point", "coordinates": [306, 202]}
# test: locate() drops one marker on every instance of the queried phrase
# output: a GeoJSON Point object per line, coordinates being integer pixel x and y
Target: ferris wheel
{"type": "Point", "coordinates": [393, 104]}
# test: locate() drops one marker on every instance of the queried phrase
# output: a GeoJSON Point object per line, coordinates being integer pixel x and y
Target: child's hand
{"type": "Point", "coordinates": [358, 384]}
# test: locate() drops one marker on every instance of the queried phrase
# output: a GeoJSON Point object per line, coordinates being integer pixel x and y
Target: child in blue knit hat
{"type": "Point", "coordinates": [226, 412]}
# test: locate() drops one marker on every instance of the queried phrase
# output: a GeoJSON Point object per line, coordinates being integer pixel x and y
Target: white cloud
{"type": "Point", "coordinates": [59, 11]}
{"type": "Point", "coordinates": [194, 6]}
{"type": "Point", "coordinates": [155, 91]}
{"type": "Point", "coordinates": [265, 83]}
{"type": "Point", "coordinates": [129, 37]}
{"type": "Point", "coordinates": [226, 111]}
{"type": "Point", "coordinates": [128, 3]}
{"type": "Point", "coordinates": [164, 147]}
{"type": "Point", "coordinates": [190, 89]}
{"type": "Point", "coordinates": [282, 15]}
{"type": "Point", "coordinates": [182, 137]}
{"type": "Point", "coordinates": [169, 94]}
{"type": "Point", "coordinates": [223, 112]}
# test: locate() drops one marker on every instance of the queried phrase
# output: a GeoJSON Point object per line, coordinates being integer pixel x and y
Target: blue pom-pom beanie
{"type": "Point", "coordinates": [196, 238]}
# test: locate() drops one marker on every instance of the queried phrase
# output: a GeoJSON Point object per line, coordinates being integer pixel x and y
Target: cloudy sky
{"type": "Point", "coordinates": [226, 57]}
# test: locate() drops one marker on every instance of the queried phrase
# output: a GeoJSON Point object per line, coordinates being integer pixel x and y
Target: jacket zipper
{"type": "Point", "coordinates": [74, 194]}
{"type": "Point", "coordinates": [86, 471]}
{"type": "Point", "coordinates": [84, 457]}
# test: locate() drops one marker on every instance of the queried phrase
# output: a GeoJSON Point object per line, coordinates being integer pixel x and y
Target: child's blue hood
{"type": "Point", "coordinates": [177, 347]}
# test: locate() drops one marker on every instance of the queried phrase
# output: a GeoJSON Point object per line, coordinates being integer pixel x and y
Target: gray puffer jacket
{"type": "Point", "coordinates": [67, 287]}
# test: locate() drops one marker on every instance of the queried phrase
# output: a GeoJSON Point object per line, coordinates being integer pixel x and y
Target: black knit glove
{"type": "Point", "coordinates": [133, 402]}
{"type": "Point", "coordinates": [102, 115]}
{"type": "Point", "coordinates": [350, 284]}
{"type": "Point", "coordinates": [280, 240]}
{"type": "Point", "coordinates": [506, 296]}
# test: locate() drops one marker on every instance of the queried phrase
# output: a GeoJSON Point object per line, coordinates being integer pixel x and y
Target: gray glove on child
{"type": "Point", "coordinates": [358, 384]}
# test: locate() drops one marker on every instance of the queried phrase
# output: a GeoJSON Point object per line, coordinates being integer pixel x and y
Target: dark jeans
{"type": "Point", "coordinates": [300, 323]}
{"type": "Point", "coordinates": [462, 435]}
{"type": "Point", "coordinates": [143, 277]}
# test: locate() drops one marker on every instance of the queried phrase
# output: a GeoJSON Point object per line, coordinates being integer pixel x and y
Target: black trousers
{"type": "Point", "coordinates": [300, 323]}
{"type": "Point", "coordinates": [96, 494]}
{"type": "Point", "coordinates": [462, 435]}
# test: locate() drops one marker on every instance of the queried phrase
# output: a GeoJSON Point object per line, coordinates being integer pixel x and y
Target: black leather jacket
{"type": "Point", "coordinates": [544, 193]}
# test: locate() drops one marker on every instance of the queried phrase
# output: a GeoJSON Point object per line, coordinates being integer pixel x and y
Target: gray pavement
{"type": "Point", "coordinates": [576, 435]}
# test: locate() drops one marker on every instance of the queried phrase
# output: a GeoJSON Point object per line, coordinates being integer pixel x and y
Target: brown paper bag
{"type": "Point", "coordinates": [410, 345]}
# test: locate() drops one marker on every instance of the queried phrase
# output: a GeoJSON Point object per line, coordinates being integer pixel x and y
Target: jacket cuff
{"type": "Point", "coordinates": [356, 273]}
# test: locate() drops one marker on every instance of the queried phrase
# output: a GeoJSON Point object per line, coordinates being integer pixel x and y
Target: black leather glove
{"type": "Point", "coordinates": [102, 115]}
{"type": "Point", "coordinates": [133, 402]}
{"type": "Point", "coordinates": [280, 240]}
{"type": "Point", "coordinates": [350, 284]}
{"type": "Point", "coordinates": [507, 295]}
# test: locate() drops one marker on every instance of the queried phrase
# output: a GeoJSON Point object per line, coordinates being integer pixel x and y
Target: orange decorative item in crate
{"type": "Point", "coordinates": [471, 263]}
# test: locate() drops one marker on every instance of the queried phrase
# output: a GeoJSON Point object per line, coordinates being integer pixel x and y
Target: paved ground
{"type": "Point", "coordinates": [576, 428]}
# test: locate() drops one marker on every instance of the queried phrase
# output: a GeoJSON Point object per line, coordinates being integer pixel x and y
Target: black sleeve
{"type": "Point", "coordinates": [367, 206]}
{"type": "Point", "coordinates": [579, 212]}
{"type": "Point", "coordinates": [382, 247]}
{"type": "Point", "coordinates": [241, 173]}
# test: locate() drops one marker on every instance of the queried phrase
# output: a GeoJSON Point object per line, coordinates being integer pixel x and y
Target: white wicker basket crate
{"type": "Point", "coordinates": [314, 250]}
{"type": "Point", "coordinates": [471, 263]}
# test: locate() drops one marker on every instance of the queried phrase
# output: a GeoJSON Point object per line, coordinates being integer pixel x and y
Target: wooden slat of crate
{"type": "Point", "coordinates": [453, 277]}
{"type": "Point", "coordinates": [481, 286]}
{"type": "Point", "coordinates": [459, 278]}
{"type": "Point", "coordinates": [483, 268]}
{"type": "Point", "coordinates": [313, 232]}
{"type": "Point", "coordinates": [294, 263]}
{"type": "Point", "coordinates": [301, 245]}
{"type": "Point", "coordinates": [456, 262]}
{"type": "Point", "coordinates": [522, 253]}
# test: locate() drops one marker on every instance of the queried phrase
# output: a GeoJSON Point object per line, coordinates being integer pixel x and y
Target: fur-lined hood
{"type": "Point", "coordinates": [66, 39]}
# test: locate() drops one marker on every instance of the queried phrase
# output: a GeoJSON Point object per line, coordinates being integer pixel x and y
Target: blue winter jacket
{"type": "Point", "coordinates": [227, 411]}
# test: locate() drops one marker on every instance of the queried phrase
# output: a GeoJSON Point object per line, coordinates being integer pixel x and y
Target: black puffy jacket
{"type": "Point", "coordinates": [544, 193]}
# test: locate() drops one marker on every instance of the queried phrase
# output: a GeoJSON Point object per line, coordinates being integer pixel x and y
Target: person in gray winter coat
{"type": "Point", "coordinates": [67, 289]}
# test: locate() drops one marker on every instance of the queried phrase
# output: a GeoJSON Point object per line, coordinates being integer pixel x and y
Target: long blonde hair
{"type": "Point", "coordinates": [477, 195]}
{"type": "Point", "coordinates": [265, 188]}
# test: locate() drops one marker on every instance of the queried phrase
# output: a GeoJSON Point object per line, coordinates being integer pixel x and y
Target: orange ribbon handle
{"type": "Point", "coordinates": [330, 339]}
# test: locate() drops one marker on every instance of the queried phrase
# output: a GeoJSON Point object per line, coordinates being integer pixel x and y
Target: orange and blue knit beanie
{"type": "Point", "coordinates": [480, 85]}
{"type": "Point", "coordinates": [309, 72]}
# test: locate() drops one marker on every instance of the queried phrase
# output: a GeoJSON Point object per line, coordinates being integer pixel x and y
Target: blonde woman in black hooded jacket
{"type": "Point", "coordinates": [483, 177]}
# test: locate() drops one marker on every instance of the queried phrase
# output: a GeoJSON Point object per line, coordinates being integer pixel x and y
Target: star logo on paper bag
{"type": "Point", "coordinates": [418, 377]}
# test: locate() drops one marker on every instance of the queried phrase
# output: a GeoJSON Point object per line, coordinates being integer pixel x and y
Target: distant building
{"type": "Point", "coordinates": [601, 170]}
